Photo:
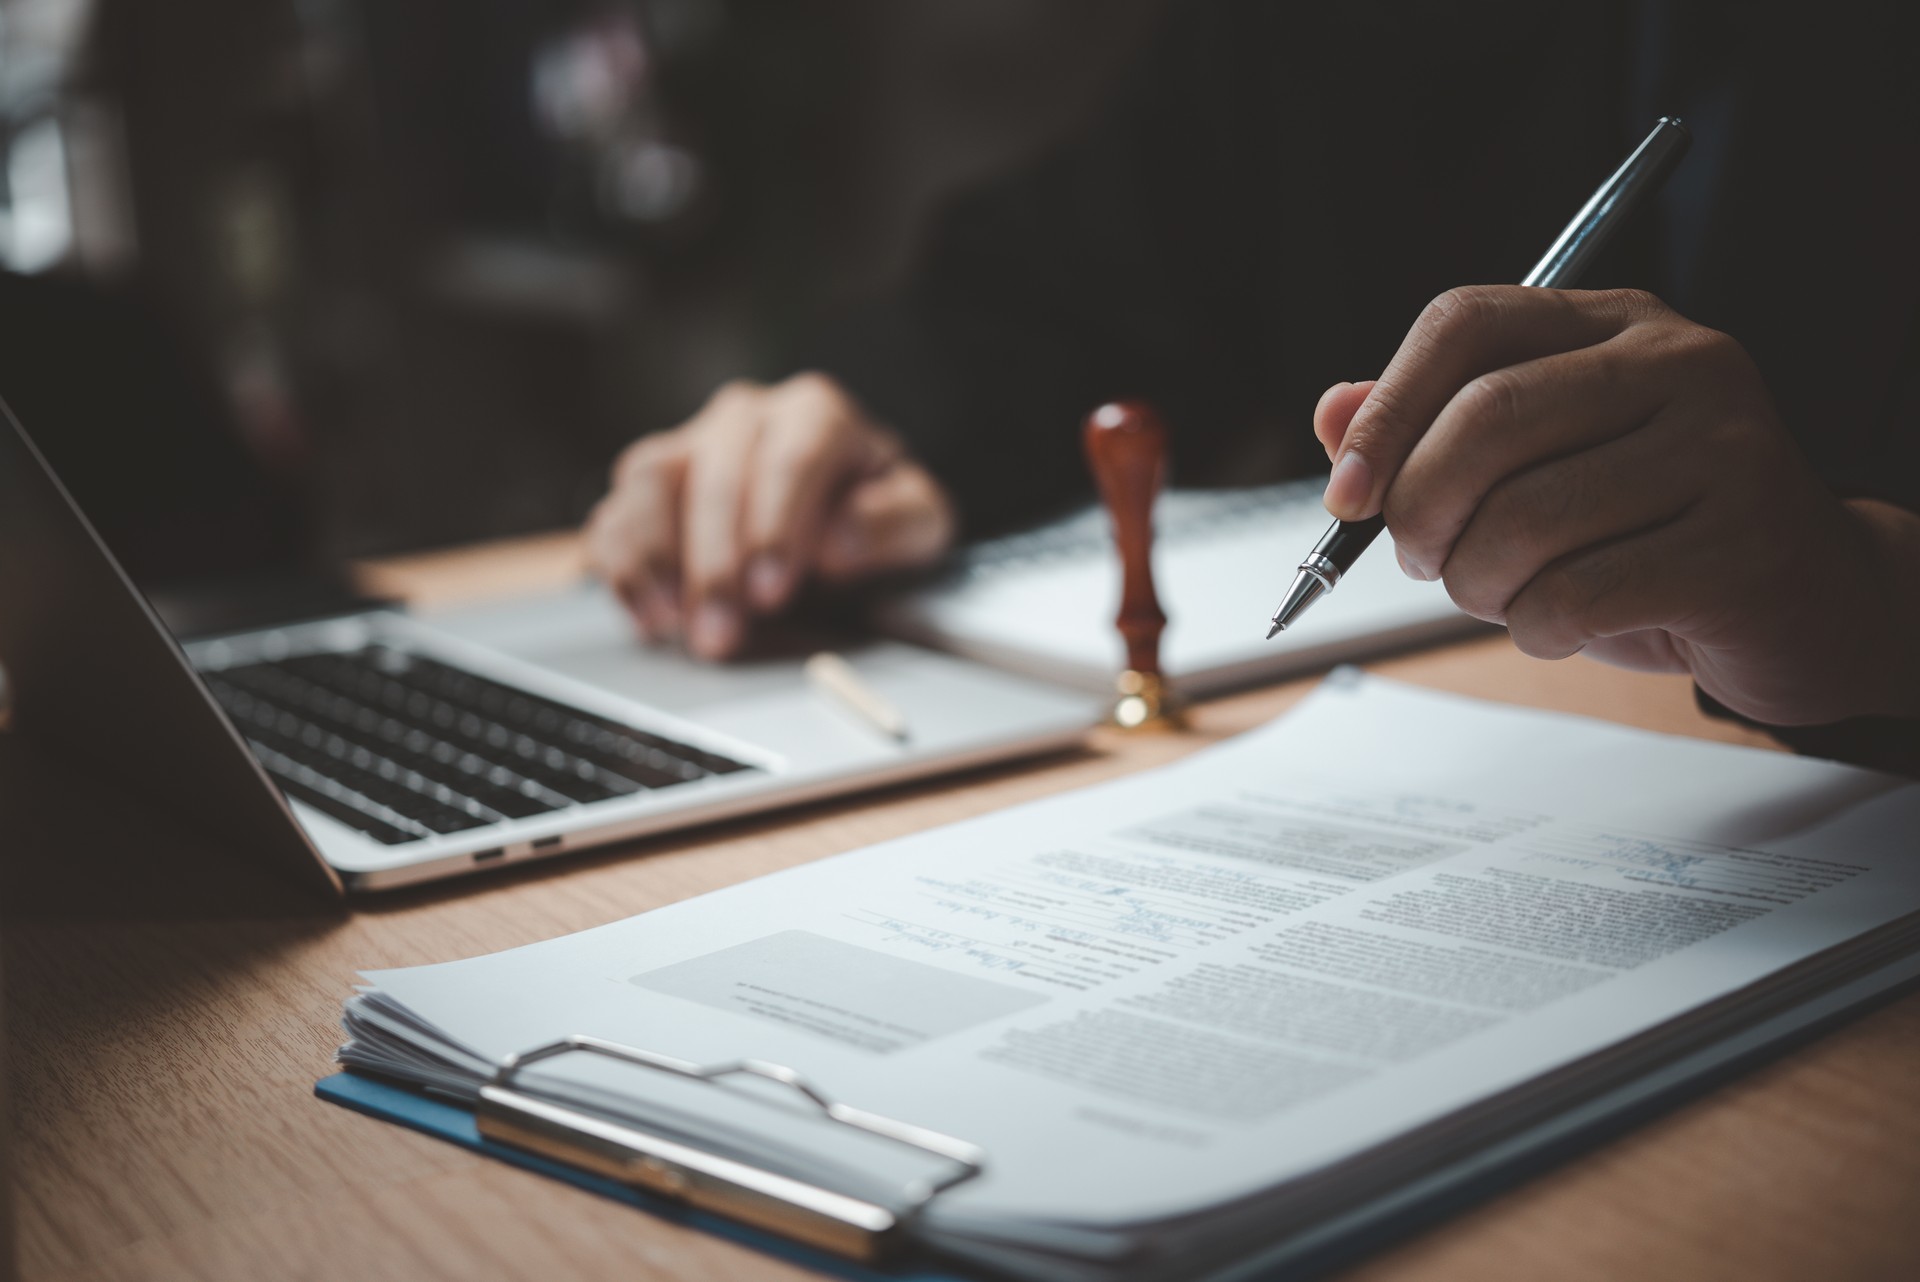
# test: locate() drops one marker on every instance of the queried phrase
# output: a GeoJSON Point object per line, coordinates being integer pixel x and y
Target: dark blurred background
{"type": "Point", "coordinates": [428, 264]}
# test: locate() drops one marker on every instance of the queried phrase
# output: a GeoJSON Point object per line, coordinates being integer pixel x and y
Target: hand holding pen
{"type": "Point", "coordinates": [1600, 474]}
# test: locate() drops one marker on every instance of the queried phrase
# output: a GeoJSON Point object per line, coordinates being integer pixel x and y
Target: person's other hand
{"type": "Point", "coordinates": [726, 515]}
{"type": "Point", "coordinates": [1600, 474]}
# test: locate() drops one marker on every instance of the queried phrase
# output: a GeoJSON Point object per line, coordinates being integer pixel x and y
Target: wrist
{"type": "Point", "coordinates": [1890, 537]}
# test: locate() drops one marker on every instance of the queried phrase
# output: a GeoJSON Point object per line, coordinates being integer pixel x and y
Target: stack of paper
{"type": "Point", "coordinates": [1043, 602]}
{"type": "Point", "coordinates": [1228, 1006]}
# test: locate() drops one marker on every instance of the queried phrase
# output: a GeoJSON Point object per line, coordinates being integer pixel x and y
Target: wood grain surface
{"type": "Point", "coordinates": [168, 1012]}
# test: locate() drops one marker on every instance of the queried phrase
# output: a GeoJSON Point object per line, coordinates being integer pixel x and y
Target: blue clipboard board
{"type": "Point", "coordinates": [446, 1120]}
{"type": "Point", "coordinates": [1339, 1240]}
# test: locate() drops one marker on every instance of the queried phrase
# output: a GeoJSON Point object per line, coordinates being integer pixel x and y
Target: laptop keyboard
{"type": "Point", "coordinates": [403, 747]}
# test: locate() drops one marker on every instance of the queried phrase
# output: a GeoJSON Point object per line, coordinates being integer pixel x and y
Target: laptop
{"type": "Point", "coordinates": [371, 749]}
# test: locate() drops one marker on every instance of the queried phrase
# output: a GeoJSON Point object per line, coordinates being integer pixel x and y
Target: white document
{"type": "Point", "coordinates": [1043, 602]}
{"type": "Point", "coordinates": [1347, 931]}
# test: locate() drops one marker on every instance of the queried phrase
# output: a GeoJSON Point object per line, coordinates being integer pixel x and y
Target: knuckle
{"type": "Point", "coordinates": [805, 439]}
{"type": "Point", "coordinates": [602, 526]}
{"type": "Point", "coordinates": [714, 457]}
{"type": "Point", "coordinates": [1633, 304]}
{"type": "Point", "coordinates": [1723, 351]}
{"type": "Point", "coordinates": [941, 523]}
{"type": "Point", "coordinates": [1584, 584]}
{"type": "Point", "coordinates": [611, 553]}
{"type": "Point", "coordinates": [1379, 429]}
{"type": "Point", "coordinates": [1417, 524]}
{"type": "Point", "coordinates": [636, 457]}
{"type": "Point", "coordinates": [1463, 307]}
{"type": "Point", "coordinates": [1536, 626]}
{"type": "Point", "coordinates": [733, 394]}
{"type": "Point", "coordinates": [928, 518]}
{"type": "Point", "coordinates": [1491, 400]}
{"type": "Point", "coordinates": [811, 382]}
{"type": "Point", "coordinates": [1617, 367]}
{"type": "Point", "coordinates": [1539, 639]}
{"type": "Point", "coordinates": [1475, 594]}
{"type": "Point", "coordinates": [819, 395]}
{"type": "Point", "coordinates": [1563, 603]}
{"type": "Point", "coordinates": [613, 560]}
{"type": "Point", "coordinates": [1696, 348]}
{"type": "Point", "coordinates": [1478, 582]}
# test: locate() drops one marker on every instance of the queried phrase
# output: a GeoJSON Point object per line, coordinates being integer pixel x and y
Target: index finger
{"type": "Point", "coordinates": [814, 445]}
{"type": "Point", "coordinates": [1461, 335]}
{"type": "Point", "coordinates": [633, 535]}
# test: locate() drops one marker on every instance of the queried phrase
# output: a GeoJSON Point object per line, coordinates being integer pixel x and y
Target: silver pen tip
{"type": "Point", "coordinates": [1306, 589]}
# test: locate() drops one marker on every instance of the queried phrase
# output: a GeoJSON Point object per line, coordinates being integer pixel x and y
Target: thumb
{"type": "Point", "coordinates": [898, 520]}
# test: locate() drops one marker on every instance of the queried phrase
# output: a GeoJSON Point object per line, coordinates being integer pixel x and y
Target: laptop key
{"type": "Point", "coordinates": [441, 748]}
{"type": "Point", "coordinates": [330, 799]}
{"type": "Point", "coordinates": [545, 719]}
{"type": "Point", "coordinates": [379, 830]}
{"type": "Point", "coordinates": [402, 792]}
{"type": "Point", "coordinates": [437, 760]}
{"type": "Point", "coordinates": [355, 767]}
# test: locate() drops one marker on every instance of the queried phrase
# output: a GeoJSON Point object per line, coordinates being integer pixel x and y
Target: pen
{"type": "Point", "coordinates": [1639, 177]}
{"type": "Point", "coordinates": [835, 676]}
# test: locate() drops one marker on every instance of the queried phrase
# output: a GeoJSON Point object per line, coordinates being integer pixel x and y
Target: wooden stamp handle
{"type": "Point", "coordinates": [1127, 448]}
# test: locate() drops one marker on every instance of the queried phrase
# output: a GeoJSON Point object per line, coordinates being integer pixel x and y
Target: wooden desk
{"type": "Point", "coordinates": [164, 1041]}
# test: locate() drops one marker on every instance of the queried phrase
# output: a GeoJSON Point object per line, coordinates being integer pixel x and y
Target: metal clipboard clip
{"type": "Point", "coordinates": [847, 1226]}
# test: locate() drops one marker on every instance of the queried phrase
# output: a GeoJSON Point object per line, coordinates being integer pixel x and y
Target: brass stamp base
{"type": "Point", "coordinates": [1146, 702]}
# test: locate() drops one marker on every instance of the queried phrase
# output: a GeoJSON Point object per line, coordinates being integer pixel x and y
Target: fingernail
{"type": "Point", "coordinates": [1350, 486]}
{"type": "Point", "coordinates": [1407, 566]}
{"type": "Point", "coordinates": [716, 629]}
{"type": "Point", "coordinates": [767, 580]}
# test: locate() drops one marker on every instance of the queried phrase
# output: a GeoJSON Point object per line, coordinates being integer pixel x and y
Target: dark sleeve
{"type": "Point", "coordinates": [1883, 463]}
{"type": "Point", "coordinates": [1875, 455]}
{"type": "Point", "coordinates": [1884, 459]}
{"type": "Point", "coordinates": [1879, 743]}
{"type": "Point", "coordinates": [1232, 235]}
{"type": "Point", "coordinates": [1111, 267]}
{"type": "Point", "coordinates": [1879, 459]}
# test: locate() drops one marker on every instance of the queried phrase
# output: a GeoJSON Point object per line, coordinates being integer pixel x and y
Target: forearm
{"type": "Point", "coordinates": [1892, 537]}
{"type": "Point", "coordinates": [1885, 732]}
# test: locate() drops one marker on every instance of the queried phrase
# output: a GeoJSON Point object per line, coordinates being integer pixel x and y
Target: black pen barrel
{"type": "Point", "coordinates": [1344, 541]}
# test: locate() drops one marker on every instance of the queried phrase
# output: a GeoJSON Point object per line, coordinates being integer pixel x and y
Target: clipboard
{"type": "Point", "coordinates": [1343, 1238]}
{"type": "Point", "coordinates": [447, 1120]}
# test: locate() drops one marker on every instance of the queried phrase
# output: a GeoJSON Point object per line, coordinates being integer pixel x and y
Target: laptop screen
{"type": "Point", "coordinates": [143, 440]}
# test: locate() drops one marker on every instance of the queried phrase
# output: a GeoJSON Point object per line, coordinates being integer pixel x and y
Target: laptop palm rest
{"type": "Point", "coordinates": [951, 705]}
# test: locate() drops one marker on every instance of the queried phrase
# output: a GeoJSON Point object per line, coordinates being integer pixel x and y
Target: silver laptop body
{"type": "Point", "coordinates": [379, 749]}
